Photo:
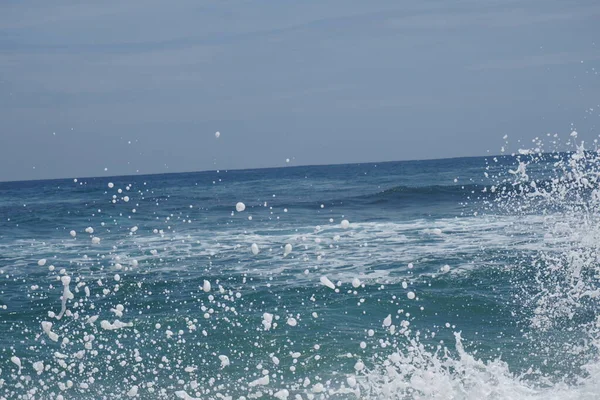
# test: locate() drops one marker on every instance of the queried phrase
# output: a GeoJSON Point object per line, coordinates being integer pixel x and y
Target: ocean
{"type": "Point", "coordinates": [466, 278]}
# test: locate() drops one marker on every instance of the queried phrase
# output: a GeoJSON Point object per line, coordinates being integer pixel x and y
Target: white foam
{"type": "Point", "coordinates": [17, 361]}
{"type": "Point", "coordinates": [182, 394]}
{"type": "Point", "coordinates": [47, 328]}
{"type": "Point", "coordinates": [282, 394]}
{"type": "Point", "coordinates": [133, 391]}
{"type": "Point", "coordinates": [239, 207]}
{"type": "Point", "coordinates": [263, 381]}
{"type": "Point", "coordinates": [420, 374]}
{"type": "Point", "coordinates": [267, 321]}
{"type": "Point", "coordinates": [224, 361]}
{"type": "Point", "coordinates": [388, 320]}
{"type": "Point", "coordinates": [38, 366]}
{"type": "Point", "coordinates": [67, 295]}
{"type": "Point", "coordinates": [326, 282]}
{"type": "Point", "coordinates": [318, 388]}
{"type": "Point", "coordinates": [115, 325]}
{"type": "Point", "coordinates": [118, 310]}
{"type": "Point", "coordinates": [351, 381]}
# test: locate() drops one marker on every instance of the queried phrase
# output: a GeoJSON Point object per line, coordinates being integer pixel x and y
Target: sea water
{"type": "Point", "coordinates": [468, 278]}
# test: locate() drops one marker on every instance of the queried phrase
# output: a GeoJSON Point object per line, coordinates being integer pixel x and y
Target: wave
{"type": "Point", "coordinates": [416, 372]}
{"type": "Point", "coordinates": [433, 193]}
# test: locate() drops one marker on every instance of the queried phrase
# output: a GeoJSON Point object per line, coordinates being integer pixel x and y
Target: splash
{"type": "Point", "coordinates": [556, 287]}
{"type": "Point", "coordinates": [417, 372]}
{"type": "Point", "coordinates": [567, 269]}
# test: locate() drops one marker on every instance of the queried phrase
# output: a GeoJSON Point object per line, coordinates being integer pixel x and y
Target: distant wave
{"type": "Point", "coordinates": [433, 193]}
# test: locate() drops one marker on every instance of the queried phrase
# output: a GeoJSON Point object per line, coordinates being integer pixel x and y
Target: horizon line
{"type": "Point", "coordinates": [261, 168]}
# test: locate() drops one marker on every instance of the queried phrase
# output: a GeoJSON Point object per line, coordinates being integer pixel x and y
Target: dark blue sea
{"type": "Point", "coordinates": [467, 278]}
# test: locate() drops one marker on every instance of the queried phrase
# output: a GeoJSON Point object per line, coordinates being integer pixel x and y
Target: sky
{"type": "Point", "coordinates": [112, 87]}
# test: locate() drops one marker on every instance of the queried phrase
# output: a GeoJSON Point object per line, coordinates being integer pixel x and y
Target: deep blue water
{"type": "Point", "coordinates": [407, 221]}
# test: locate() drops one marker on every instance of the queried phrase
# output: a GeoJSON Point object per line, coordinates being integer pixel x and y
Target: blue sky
{"type": "Point", "coordinates": [141, 87]}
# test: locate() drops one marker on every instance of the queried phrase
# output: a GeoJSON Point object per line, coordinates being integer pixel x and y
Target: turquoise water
{"type": "Point", "coordinates": [452, 278]}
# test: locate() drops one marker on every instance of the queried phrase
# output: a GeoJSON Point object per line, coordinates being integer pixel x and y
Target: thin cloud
{"type": "Point", "coordinates": [536, 61]}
